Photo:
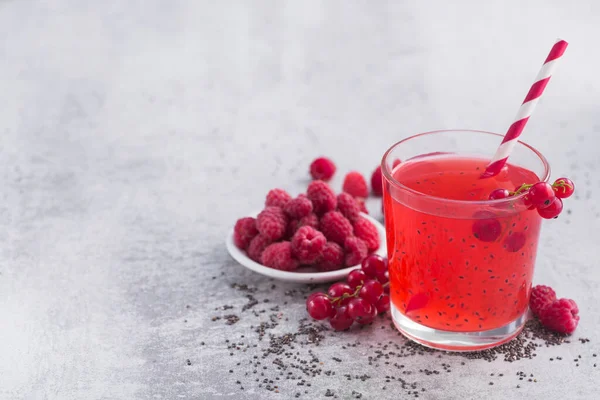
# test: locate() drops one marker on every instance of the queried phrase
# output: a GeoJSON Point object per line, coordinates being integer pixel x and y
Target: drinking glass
{"type": "Point", "coordinates": [460, 268]}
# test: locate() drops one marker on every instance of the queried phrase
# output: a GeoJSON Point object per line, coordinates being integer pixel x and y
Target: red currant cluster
{"type": "Point", "coordinates": [544, 197]}
{"type": "Point", "coordinates": [364, 295]}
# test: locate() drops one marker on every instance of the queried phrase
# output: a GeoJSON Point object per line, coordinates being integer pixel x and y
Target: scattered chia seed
{"type": "Point", "coordinates": [231, 319]}
{"type": "Point", "coordinates": [284, 359]}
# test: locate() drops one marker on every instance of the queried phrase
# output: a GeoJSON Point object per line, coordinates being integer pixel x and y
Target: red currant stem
{"type": "Point", "coordinates": [524, 187]}
{"type": "Point", "coordinates": [561, 184]}
{"type": "Point", "coordinates": [335, 300]}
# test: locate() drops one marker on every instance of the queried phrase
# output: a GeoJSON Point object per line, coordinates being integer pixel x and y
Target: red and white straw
{"type": "Point", "coordinates": [535, 92]}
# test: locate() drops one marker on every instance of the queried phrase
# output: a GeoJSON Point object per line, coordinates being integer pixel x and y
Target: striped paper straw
{"type": "Point", "coordinates": [535, 92]}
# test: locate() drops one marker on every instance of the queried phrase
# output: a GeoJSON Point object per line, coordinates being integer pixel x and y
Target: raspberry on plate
{"type": "Point", "coordinates": [322, 196]}
{"type": "Point", "coordinates": [272, 223]}
{"type": "Point", "coordinates": [310, 220]}
{"type": "Point", "coordinates": [348, 206]}
{"type": "Point", "coordinates": [336, 227]}
{"type": "Point", "coordinates": [307, 244]}
{"type": "Point", "coordinates": [279, 256]}
{"type": "Point", "coordinates": [541, 296]}
{"type": "Point", "coordinates": [355, 184]}
{"type": "Point", "coordinates": [257, 246]}
{"type": "Point", "coordinates": [244, 231]}
{"type": "Point", "coordinates": [322, 168]}
{"type": "Point", "coordinates": [277, 198]}
{"type": "Point", "coordinates": [356, 250]}
{"type": "Point", "coordinates": [332, 257]}
{"type": "Point", "coordinates": [299, 207]}
{"type": "Point", "coordinates": [366, 231]}
{"type": "Point", "coordinates": [561, 316]}
{"type": "Point", "coordinates": [377, 182]}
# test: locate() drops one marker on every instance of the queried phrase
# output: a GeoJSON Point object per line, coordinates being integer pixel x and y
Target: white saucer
{"type": "Point", "coordinates": [305, 274]}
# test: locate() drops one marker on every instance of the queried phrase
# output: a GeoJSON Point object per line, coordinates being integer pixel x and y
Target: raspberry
{"type": "Point", "coordinates": [332, 257]}
{"type": "Point", "coordinates": [363, 206]}
{"type": "Point", "coordinates": [272, 223]}
{"type": "Point", "coordinates": [277, 198]}
{"type": "Point", "coordinates": [244, 231]}
{"type": "Point", "coordinates": [292, 227]}
{"type": "Point", "coordinates": [257, 246]}
{"type": "Point", "coordinates": [377, 182]}
{"type": "Point", "coordinates": [541, 296]}
{"type": "Point", "coordinates": [348, 206]}
{"type": "Point", "coordinates": [279, 256]}
{"type": "Point", "coordinates": [308, 244]}
{"type": "Point", "coordinates": [356, 250]}
{"type": "Point", "coordinates": [355, 184]}
{"type": "Point", "coordinates": [322, 197]}
{"type": "Point", "coordinates": [336, 227]}
{"type": "Point", "coordinates": [560, 316]}
{"type": "Point", "coordinates": [299, 207]}
{"type": "Point", "coordinates": [365, 230]}
{"type": "Point", "coordinates": [310, 220]}
{"type": "Point", "coordinates": [322, 168]}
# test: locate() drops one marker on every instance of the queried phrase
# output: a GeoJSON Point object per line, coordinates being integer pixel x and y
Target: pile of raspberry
{"type": "Point", "coordinates": [319, 229]}
{"type": "Point", "coordinates": [558, 315]}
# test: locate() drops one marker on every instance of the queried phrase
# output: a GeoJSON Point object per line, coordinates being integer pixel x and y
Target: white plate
{"type": "Point", "coordinates": [305, 274]}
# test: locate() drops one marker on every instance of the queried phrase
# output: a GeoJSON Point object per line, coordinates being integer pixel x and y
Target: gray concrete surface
{"type": "Point", "coordinates": [134, 133]}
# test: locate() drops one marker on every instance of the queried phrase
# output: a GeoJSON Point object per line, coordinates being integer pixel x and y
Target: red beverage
{"type": "Point", "coordinates": [457, 266]}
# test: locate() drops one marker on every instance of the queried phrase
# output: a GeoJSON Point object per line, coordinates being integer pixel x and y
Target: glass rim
{"type": "Point", "coordinates": [388, 176]}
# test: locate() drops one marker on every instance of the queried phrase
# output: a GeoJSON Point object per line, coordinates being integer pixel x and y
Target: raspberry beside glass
{"type": "Point", "coordinates": [460, 265]}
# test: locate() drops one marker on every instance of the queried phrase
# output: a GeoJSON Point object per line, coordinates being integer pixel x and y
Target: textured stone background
{"type": "Point", "coordinates": [134, 133]}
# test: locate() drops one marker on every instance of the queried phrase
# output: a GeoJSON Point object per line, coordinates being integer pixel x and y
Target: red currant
{"type": "Point", "coordinates": [383, 304]}
{"type": "Point", "coordinates": [498, 194]}
{"type": "Point", "coordinates": [486, 228]}
{"type": "Point", "coordinates": [515, 242]}
{"type": "Point", "coordinates": [371, 291]}
{"type": "Point", "coordinates": [337, 290]}
{"type": "Point", "coordinates": [541, 194]}
{"type": "Point", "coordinates": [356, 278]}
{"type": "Point", "coordinates": [373, 265]}
{"type": "Point", "coordinates": [341, 320]}
{"type": "Point", "coordinates": [563, 187]}
{"type": "Point", "coordinates": [528, 204]}
{"type": "Point", "coordinates": [384, 277]}
{"type": "Point", "coordinates": [361, 311]}
{"type": "Point", "coordinates": [552, 210]}
{"type": "Point", "coordinates": [369, 318]}
{"type": "Point", "coordinates": [319, 306]}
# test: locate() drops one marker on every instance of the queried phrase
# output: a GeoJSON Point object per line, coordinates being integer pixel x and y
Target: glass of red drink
{"type": "Point", "coordinates": [460, 265]}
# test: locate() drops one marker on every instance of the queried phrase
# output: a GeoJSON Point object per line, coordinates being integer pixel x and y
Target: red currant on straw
{"type": "Point", "coordinates": [552, 210]}
{"type": "Point", "coordinates": [563, 187]}
{"type": "Point", "coordinates": [499, 194]}
{"type": "Point", "coordinates": [541, 194]}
